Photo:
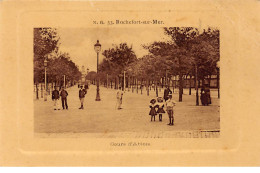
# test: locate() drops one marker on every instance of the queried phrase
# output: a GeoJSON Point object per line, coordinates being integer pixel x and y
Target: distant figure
{"type": "Point", "coordinates": [119, 97]}
{"type": "Point", "coordinates": [55, 98]}
{"type": "Point", "coordinates": [64, 95]}
{"type": "Point", "coordinates": [86, 86]}
{"type": "Point", "coordinates": [207, 92]}
{"type": "Point", "coordinates": [166, 93]}
{"type": "Point", "coordinates": [205, 96]}
{"type": "Point", "coordinates": [160, 109]}
{"type": "Point", "coordinates": [153, 107]}
{"type": "Point", "coordinates": [82, 94]}
{"type": "Point", "coordinates": [169, 108]}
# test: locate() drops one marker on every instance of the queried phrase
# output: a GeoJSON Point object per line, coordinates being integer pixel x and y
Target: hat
{"type": "Point", "coordinates": [160, 99]}
{"type": "Point", "coordinates": [153, 101]}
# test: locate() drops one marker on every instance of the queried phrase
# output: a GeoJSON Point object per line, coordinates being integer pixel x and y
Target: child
{"type": "Point", "coordinates": [153, 106]}
{"type": "Point", "coordinates": [169, 108]}
{"type": "Point", "coordinates": [160, 110]}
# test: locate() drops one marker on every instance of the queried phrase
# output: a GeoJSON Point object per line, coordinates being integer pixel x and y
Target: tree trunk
{"type": "Point", "coordinates": [41, 91]}
{"type": "Point", "coordinates": [132, 84]}
{"type": "Point", "coordinates": [141, 86]}
{"type": "Point", "coordinates": [209, 79]}
{"type": "Point", "coordinates": [115, 83]}
{"type": "Point", "coordinates": [180, 80]}
{"type": "Point", "coordinates": [136, 85]}
{"type": "Point", "coordinates": [37, 93]}
{"type": "Point", "coordinates": [180, 87]}
{"type": "Point", "coordinates": [190, 85]}
{"type": "Point", "coordinates": [156, 89]}
{"type": "Point", "coordinates": [197, 90]}
{"type": "Point", "coordinates": [162, 81]}
{"type": "Point", "coordinates": [218, 82]}
{"type": "Point", "coordinates": [147, 86]}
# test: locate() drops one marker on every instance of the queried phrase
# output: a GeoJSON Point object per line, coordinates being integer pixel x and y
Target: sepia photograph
{"type": "Point", "coordinates": [129, 83]}
{"type": "Point", "coordinates": [157, 82]}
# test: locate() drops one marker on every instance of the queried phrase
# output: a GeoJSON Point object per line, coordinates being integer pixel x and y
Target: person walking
{"type": "Point", "coordinates": [82, 93]}
{"type": "Point", "coordinates": [170, 103]}
{"type": "Point", "coordinates": [119, 97]}
{"type": "Point", "coordinates": [166, 93]}
{"type": "Point", "coordinates": [55, 98]}
{"type": "Point", "coordinates": [64, 95]}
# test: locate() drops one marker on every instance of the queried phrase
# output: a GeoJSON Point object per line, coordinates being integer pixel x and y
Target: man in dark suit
{"type": "Point", "coordinates": [55, 98]}
{"type": "Point", "coordinates": [64, 95]}
{"type": "Point", "coordinates": [166, 93]}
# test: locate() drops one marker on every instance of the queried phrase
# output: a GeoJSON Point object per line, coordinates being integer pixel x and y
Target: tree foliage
{"type": "Point", "coordinates": [46, 46]}
{"type": "Point", "coordinates": [117, 59]}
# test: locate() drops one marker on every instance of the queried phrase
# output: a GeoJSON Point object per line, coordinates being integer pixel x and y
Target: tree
{"type": "Point", "coordinates": [60, 65]}
{"type": "Point", "coordinates": [187, 50]}
{"type": "Point", "coordinates": [45, 41]}
{"type": "Point", "coordinates": [46, 46]}
{"type": "Point", "coordinates": [116, 60]}
{"type": "Point", "coordinates": [182, 36]}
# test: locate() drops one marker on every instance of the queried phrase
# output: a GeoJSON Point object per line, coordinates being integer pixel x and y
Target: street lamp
{"type": "Point", "coordinates": [45, 68]}
{"type": "Point", "coordinates": [218, 67]}
{"type": "Point", "coordinates": [97, 48]}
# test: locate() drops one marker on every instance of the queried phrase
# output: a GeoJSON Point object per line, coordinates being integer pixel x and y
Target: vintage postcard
{"type": "Point", "coordinates": [127, 83]}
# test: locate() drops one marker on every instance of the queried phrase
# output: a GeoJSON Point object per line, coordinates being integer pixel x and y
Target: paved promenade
{"type": "Point", "coordinates": [103, 120]}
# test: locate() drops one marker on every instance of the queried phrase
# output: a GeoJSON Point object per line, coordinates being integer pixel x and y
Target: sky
{"type": "Point", "coordinates": [79, 42]}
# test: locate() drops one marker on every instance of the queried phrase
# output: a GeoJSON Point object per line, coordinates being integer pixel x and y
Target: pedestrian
{"type": "Point", "coordinates": [86, 86]}
{"type": "Point", "coordinates": [170, 103]}
{"type": "Point", "coordinates": [64, 95]}
{"type": "Point", "coordinates": [203, 96]}
{"type": "Point", "coordinates": [166, 93]}
{"type": "Point", "coordinates": [207, 92]}
{"type": "Point", "coordinates": [55, 98]}
{"type": "Point", "coordinates": [119, 97]}
{"type": "Point", "coordinates": [153, 107]}
{"type": "Point", "coordinates": [82, 94]}
{"type": "Point", "coordinates": [160, 109]}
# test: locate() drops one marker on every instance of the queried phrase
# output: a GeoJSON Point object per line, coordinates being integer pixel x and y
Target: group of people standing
{"type": "Point", "coordinates": [63, 94]}
{"type": "Point", "coordinates": [157, 106]}
{"type": "Point", "coordinates": [56, 95]}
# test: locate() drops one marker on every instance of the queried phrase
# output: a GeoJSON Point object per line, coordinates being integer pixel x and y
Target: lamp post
{"type": "Point", "coordinates": [45, 68]}
{"type": "Point", "coordinates": [218, 67]}
{"type": "Point", "coordinates": [97, 48]}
